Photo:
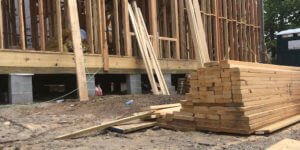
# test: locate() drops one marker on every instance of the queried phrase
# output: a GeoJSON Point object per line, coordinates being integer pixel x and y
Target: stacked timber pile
{"type": "Point", "coordinates": [238, 97]}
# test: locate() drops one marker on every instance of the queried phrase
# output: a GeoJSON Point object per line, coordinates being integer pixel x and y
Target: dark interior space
{"type": "Point", "coordinates": [111, 83]}
{"type": "Point", "coordinates": [4, 89]}
{"type": "Point", "coordinates": [48, 87]}
{"type": "Point", "coordinates": [146, 87]}
{"type": "Point", "coordinates": [174, 79]}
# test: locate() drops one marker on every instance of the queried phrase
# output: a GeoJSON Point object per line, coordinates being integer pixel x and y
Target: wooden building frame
{"type": "Point", "coordinates": [28, 27]}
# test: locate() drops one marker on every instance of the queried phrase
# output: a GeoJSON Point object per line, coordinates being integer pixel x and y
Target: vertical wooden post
{"type": "Point", "coordinates": [175, 27]}
{"type": "Point", "coordinates": [235, 26]}
{"type": "Point", "coordinates": [100, 28]}
{"type": "Point", "coordinates": [166, 47]}
{"type": "Point", "coordinates": [89, 25]}
{"type": "Point", "coordinates": [104, 38]}
{"type": "Point", "coordinates": [42, 25]}
{"type": "Point", "coordinates": [225, 15]}
{"type": "Point", "coordinates": [216, 28]}
{"type": "Point", "coordinates": [21, 23]}
{"type": "Point", "coordinates": [95, 26]}
{"type": "Point", "coordinates": [59, 26]}
{"type": "Point", "coordinates": [117, 27]}
{"type": "Point", "coordinates": [12, 24]}
{"type": "Point", "coordinates": [79, 59]}
{"type": "Point", "coordinates": [5, 25]}
{"type": "Point", "coordinates": [209, 30]}
{"type": "Point", "coordinates": [1, 27]}
{"type": "Point", "coordinates": [153, 25]}
{"type": "Point", "coordinates": [182, 26]}
{"type": "Point", "coordinates": [126, 28]}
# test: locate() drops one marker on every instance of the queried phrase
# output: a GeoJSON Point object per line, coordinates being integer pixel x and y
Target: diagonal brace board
{"type": "Point", "coordinates": [79, 59]}
{"type": "Point", "coordinates": [147, 50]}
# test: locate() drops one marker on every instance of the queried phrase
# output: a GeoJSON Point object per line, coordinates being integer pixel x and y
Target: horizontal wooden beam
{"type": "Point", "coordinates": [57, 63]}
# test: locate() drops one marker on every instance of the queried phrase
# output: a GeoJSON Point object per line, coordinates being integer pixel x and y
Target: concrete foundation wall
{"type": "Point", "coordinates": [90, 81]}
{"type": "Point", "coordinates": [20, 89]}
{"type": "Point", "coordinates": [134, 84]}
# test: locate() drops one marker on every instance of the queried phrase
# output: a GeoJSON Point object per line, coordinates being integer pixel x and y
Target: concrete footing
{"type": "Point", "coordinates": [168, 79]}
{"type": "Point", "coordinates": [90, 81]}
{"type": "Point", "coordinates": [134, 84]}
{"type": "Point", "coordinates": [20, 89]}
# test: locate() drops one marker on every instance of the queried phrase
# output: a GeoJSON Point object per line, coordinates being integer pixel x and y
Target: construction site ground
{"type": "Point", "coordinates": [36, 126]}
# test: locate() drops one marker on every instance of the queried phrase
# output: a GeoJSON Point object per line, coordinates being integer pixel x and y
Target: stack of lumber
{"type": "Point", "coordinates": [240, 97]}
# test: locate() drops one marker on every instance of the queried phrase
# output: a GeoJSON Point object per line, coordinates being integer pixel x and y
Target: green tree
{"type": "Point", "coordinates": [280, 15]}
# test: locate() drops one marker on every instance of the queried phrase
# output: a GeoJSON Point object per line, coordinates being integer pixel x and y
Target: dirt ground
{"type": "Point", "coordinates": [36, 126]}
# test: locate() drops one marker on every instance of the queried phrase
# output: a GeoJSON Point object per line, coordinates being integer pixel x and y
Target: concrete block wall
{"type": "Point", "coordinates": [134, 84]}
{"type": "Point", "coordinates": [90, 81]}
{"type": "Point", "coordinates": [20, 88]}
{"type": "Point", "coordinates": [168, 79]}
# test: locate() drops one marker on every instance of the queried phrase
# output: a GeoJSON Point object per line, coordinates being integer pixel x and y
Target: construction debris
{"type": "Point", "coordinates": [103, 126]}
{"type": "Point", "coordinates": [239, 97]}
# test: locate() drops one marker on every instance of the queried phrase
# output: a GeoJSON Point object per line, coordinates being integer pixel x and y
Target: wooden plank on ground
{"type": "Point", "coordinates": [103, 126]}
{"type": "Point", "coordinates": [278, 125]}
{"type": "Point", "coordinates": [79, 59]}
{"type": "Point", "coordinates": [128, 128]}
{"type": "Point", "coordinates": [285, 144]}
{"type": "Point", "coordinates": [158, 107]}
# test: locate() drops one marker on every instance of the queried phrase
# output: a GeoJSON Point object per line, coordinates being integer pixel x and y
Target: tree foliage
{"type": "Point", "coordinates": [280, 15]}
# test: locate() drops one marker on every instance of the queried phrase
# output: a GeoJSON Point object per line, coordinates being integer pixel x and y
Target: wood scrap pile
{"type": "Point", "coordinates": [239, 97]}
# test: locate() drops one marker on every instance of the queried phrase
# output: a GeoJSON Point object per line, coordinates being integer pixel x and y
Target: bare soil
{"type": "Point", "coordinates": [36, 126]}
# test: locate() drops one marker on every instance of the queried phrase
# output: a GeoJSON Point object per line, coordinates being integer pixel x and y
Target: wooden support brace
{"type": "Point", "coordinates": [79, 59]}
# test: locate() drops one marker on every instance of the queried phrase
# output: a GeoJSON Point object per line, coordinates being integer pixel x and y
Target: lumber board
{"type": "Point", "coordinates": [1, 28]}
{"type": "Point", "coordinates": [158, 107]}
{"type": "Point", "coordinates": [128, 128]}
{"type": "Point", "coordinates": [21, 25]}
{"type": "Point", "coordinates": [79, 59]}
{"type": "Point", "coordinates": [279, 125]}
{"type": "Point", "coordinates": [59, 26]}
{"type": "Point", "coordinates": [285, 144]}
{"type": "Point", "coordinates": [143, 49]}
{"type": "Point", "coordinates": [103, 126]}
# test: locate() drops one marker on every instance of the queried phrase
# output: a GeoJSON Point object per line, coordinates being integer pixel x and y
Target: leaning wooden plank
{"type": "Point", "coordinates": [79, 59]}
{"type": "Point", "coordinates": [195, 32]}
{"type": "Point", "coordinates": [201, 32]}
{"type": "Point", "coordinates": [127, 128]}
{"type": "Point", "coordinates": [158, 107]}
{"type": "Point", "coordinates": [278, 125]}
{"type": "Point", "coordinates": [145, 36]}
{"type": "Point", "coordinates": [285, 144]}
{"type": "Point", "coordinates": [104, 126]}
{"type": "Point", "coordinates": [143, 49]}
